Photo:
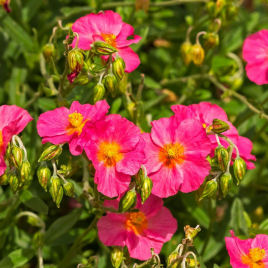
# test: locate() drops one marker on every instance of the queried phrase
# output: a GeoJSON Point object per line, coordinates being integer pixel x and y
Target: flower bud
{"type": "Point", "coordinates": [16, 156]}
{"type": "Point", "coordinates": [81, 79]}
{"type": "Point", "coordinates": [98, 91]}
{"type": "Point", "coordinates": [38, 239]}
{"type": "Point", "coordinates": [225, 182]}
{"type": "Point", "coordinates": [50, 153]}
{"type": "Point", "coordinates": [211, 40]}
{"type": "Point", "coordinates": [68, 188]}
{"type": "Point", "coordinates": [219, 126]}
{"type": "Point", "coordinates": [25, 172]}
{"type": "Point", "coordinates": [4, 179]}
{"type": "Point", "coordinates": [171, 260]}
{"type": "Point", "coordinates": [240, 168]}
{"type": "Point", "coordinates": [210, 189]}
{"type": "Point", "coordinates": [186, 48]}
{"type": "Point", "coordinates": [131, 108]}
{"type": "Point", "coordinates": [190, 232]}
{"type": "Point", "coordinates": [14, 183]}
{"type": "Point", "coordinates": [197, 54]}
{"type": "Point", "coordinates": [146, 189]}
{"type": "Point", "coordinates": [192, 263]}
{"type": "Point", "coordinates": [222, 157]}
{"type": "Point", "coordinates": [128, 201]}
{"type": "Point", "coordinates": [48, 51]}
{"type": "Point", "coordinates": [56, 190]}
{"type": "Point", "coordinates": [75, 60]}
{"type": "Point", "coordinates": [110, 84]}
{"type": "Point", "coordinates": [117, 255]}
{"type": "Point", "coordinates": [103, 48]}
{"type": "Point", "coordinates": [43, 175]}
{"type": "Point", "coordinates": [119, 68]}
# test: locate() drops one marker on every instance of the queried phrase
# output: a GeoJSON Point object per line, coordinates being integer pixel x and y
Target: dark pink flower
{"type": "Point", "coordinates": [6, 5]}
{"type": "Point", "coordinates": [116, 151]}
{"type": "Point", "coordinates": [149, 227]}
{"type": "Point", "coordinates": [255, 53]}
{"type": "Point", "coordinates": [249, 253]}
{"type": "Point", "coordinates": [108, 26]}
{"type": "Point", "coordinates": [67, 125]}
{"type": "Point", "coordinates": [13, 120]}
{"type": "Point", "coordinates": [176, 152]}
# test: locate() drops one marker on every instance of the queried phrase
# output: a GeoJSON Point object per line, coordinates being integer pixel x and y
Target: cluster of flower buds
{"type": "Point", "coordinates": [226, 9]}
{"type": "Point", "coordinates": [192, 53]}
{"type": "Point", "coordinates": [56, 183]}
{"type": "Point", "coordinates": [18, 173]}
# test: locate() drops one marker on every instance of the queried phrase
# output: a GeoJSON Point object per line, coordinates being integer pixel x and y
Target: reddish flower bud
{"type": "Point", "coordinates": [219, 126]}
{"type": "Point", "coordinates": [75, 60]}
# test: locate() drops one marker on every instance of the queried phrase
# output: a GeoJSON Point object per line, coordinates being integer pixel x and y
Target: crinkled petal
{"type": "Point", "coordinates": [123, 40]}
{"type": "Point", "coordinates": [151, 206]}
{"type": "Point", "coordinates": [131, 59]}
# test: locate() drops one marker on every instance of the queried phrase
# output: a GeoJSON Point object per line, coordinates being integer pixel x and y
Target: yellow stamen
{"type": "Point", "coordinates": [254, 259]}
{"type": "Point", "coordinates": [76, 123]}
{"type": "Point", "coordinates": [136, 222]}
{"type": "Point", "coordinates": [172, 154]}
{"type": "Point", "coordinates": [1, 141]}
{"type": "Point", "coordinates": [110, 39]}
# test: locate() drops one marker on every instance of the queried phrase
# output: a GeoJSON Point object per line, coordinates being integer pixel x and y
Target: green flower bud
{"type": "Point", "coordinates": [211, 40]}
{"type": "Point", "coordinates": [56, 190]}
{"type": "Point", "coordinates": [48, 51]}
{"type": "Point", "coordinates": [110, 84]}
{"type": "Point", "coordinates": [146, 189]}
{"type": "Point", "coordinates": [192, 263]}
{"type": "Point", "coordinates": [225, 182]}
{"type": "Point", "coordinates": [171, 260]}
{"type": "Point", "coordinates": [43, 175]}
{"type": "Point", "coordinates": [210, 189]}
{"type": "Point", "coordinates": [197, 54]}
{"type": "Point", "coordinates": [240, 168]}
{"type": "Point", "coordinates": [186, 48]}
{"type": "Point", "coordinates": [117, 255]}
{"type": "Point", "coordinates": [81, 79]}
{"type": "Point", "coordinates": [38, 239]}
{"type": "Point", "coordinates": [128, 201]}
{"type": "Point", "coordinates": [4, 179]}
{"type": "Point", "coordinates": [219, 126]}
{"type": "Point", "coordinates": [131, 108]}
{"type": "Point", "coordinates": [25, 172]}
{"type": "Point", "coordinates": [16, 156]}
{"type": "Point", "coordinates": [50, 153]}
{"type": "Point", "coordinates": [222, 157]}
{"type": "Point", "coordinates": [14, 183]}
{"type": "Point", "coordinates": [75, 60]}
{"type": "Point", "coordinates": [119, 68]}
{"type": "Point", "coordinates": [98, 91]}
{"type": "Point", "coordinates": [68, 189]}
{"type": "Point", "coordinates": [103, 48]}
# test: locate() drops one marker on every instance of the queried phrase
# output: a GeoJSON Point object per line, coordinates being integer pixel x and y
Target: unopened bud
{"type": "Point", "coordinates": [103, 48]}
{"type": "Point", "coordinates": [146, 189]}
{"type": "Point", "coordinates": [4, 179]}
{"type": "Point", "coordinates": [117, 255]}
{"type": "Point", "coordinates": [14, 183]}
{"type": "Point", "coordinates": [16, 156]}
{"type": "Point", "coordinates": [128, 201]}
{"type": "Point", "coordinates": [50, 153]}
{"type": "Point", "coordinates": [219, 126]}
{"type": "Point", "coordinates": [211, 40]}
{"type": "Point", "coordinates": [48, 51]}
{"type": "Point", "coordinates": [75, 60]}
{"type": "Point", "coordinates": [110, 84]}
{"type": "Point", "coordinates": [213, 162]}
{"type": "Point", "coordinates": [192, 263]}
{"type": "Point", "coordinates": [98, 91]}
{"type": "Point", "coordinates": [131, 108]}
{"type": "Point", "coordinates": [56, 190]}
{"type": "Point", "coordinates": [190, 232]}
{"type": "Point", "coordinates": [186, 48]}
{"type": "Point", "coordinates": [171, 261]}
{"type": "Point", "coordinates": [240, 168]}
{"type": "Point", "coordinates": [25, 172]}
{"type": "Point", "coordinates": [198, 54]}
{"type": "Point", "coordinates": [210, 189]}
{"type": "Point", "coordinates": [38, 239]}
{"type": "Point", "coordinates": [225, 183]}
{"type": "Point", "coordinates": [119, 68]}
{"type": "Point", "coordinates": [82, 79]}
{"type": "Point", "coordinates": [43, 174]}
{"type": "Point", "coordinates": [222, 157]}
{"type": "Point", "coordinates": [68, 189]}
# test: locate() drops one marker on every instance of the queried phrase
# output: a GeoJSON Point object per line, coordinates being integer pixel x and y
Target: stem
{"type": "Point", "coordinates": [140, 88]}
{"type": "Point", "coordinates": [31, 214]}
{"type": "Point", "coordinates": [62, 79]}
{"type": "Point", "coordinates": [228, 140]}
{"type": "Point", "coordinates": [16, 139]}
{"type": "Point", "coordinates": [55, 171]}
{"type": "Point", "coordinates": [40, 258]}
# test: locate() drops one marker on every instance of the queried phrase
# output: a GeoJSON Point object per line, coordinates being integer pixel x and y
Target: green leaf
{"type": "Point", "coordinates": [116, 106]}
{"type": "Point", "coordinates": [17, 258]}
{"type": "Point", "coordinates": [264, 225]}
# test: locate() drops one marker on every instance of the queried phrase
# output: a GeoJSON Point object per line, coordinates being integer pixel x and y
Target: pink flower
{"type": "Point", "coordinates": [67, 125]}
{"type": "Point", "coordinates": [255, 53]}
{"type": "Point", "coordinates": [6, 5]}
{"type": "Point", "coordinates": [250, 253]}
{"type": "Point", "coordinates": [176, 152]}
{"type": "Point", "coordinates": [205, 112]}
{"type": "Point", "coordinates": [149, 227]}
{"type": "Point", "coordinates": [108, 26]}
{"type": "Point", "coordinates": [13, 120]}
{"type": "Point", "coordinates": [116, 151]}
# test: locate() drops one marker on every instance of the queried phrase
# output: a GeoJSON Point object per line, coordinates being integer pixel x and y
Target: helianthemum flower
{"type": "Point", "coordinates": [255, 53]}
{"type": "Point", "coordinates": [108, 26]}
{"type": "Point", "coordinates": [150, 226]}
{"type": "Point", "coordinates": [249, 253]}
{"type": "Point", "coordinates": [13, 120]}
{"type": "Point", "coordinates": [205, 112]}
{"type": "Point", "coordinates": [67, 125]}
{"type": "Point", "coordinates": [176, 154]}
{"type": "Point", "coordinates": [116, 151]}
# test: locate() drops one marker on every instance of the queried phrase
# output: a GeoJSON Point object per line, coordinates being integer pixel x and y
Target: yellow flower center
{"type": "Point", "coordinates": [172, 154]}
{"type": "Point", "coordinates": [1, 141]}
{"type": "Point", "coordinates": [2, 2]}
{"type": "Point", "coordinates": [109, 153]}
{"type": "Point", "coordinates": [254, 258]}
{"type": "Point", "coordinates": [136, 222]}
{"type": "Point", "coordinates": [110, 39]}
{"type": "Point", "coordinates": [76, 123]}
